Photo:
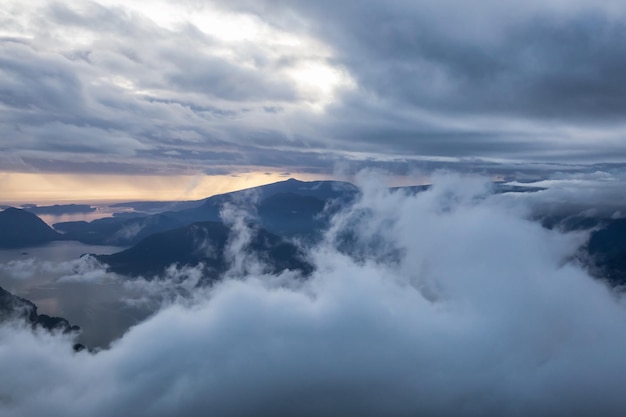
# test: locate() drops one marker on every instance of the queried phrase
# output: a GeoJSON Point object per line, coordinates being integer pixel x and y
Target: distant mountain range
{"type": "Point", "coordinates": [152, 207]}
{"type": "Point", "coordinates": [291, 207]}
{"type": "Point", "coordinates": [59, 209]}
{"type": "Point", "coordinates": [278, 211]}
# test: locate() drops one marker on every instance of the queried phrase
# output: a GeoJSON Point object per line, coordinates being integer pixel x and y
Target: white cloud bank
{"type": "Point", "coordinates": [459, 306]}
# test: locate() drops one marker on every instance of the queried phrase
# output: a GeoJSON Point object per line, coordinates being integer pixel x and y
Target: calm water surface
{"type": "Point", "coordinates": [101, 211]}
{"type": "Point", "coordinates": [99, 306]}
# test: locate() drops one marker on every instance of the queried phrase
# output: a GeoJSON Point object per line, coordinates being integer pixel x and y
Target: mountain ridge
{"type": "Point", "coordinates": [125, 231]}
{"type": "Point", "coordinates": [20, 228]}
{"type": "Point", "coordinates": [202, 243]}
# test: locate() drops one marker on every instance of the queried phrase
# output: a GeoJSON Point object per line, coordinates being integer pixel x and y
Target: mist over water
{"type": "Point", "coordinates": [60, 283]}
{"type": "Point", "coordinates": [447, 302]}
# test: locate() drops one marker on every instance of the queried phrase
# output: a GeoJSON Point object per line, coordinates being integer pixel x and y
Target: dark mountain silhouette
{"type": "Point", "coordinates": [607, 246]}
{"type": "Point", "coordinates": [19, 228]}
{"type": "Point", "coordinates": [291, 214]}
{"type": "Point", "coordinates": [291, 208]}
{"type": "Point", "coordinates": [13, 307]}
{"type": "Point", "coordinates": [204, 243]}
{"type": "Point", "coordinates": [323, 190]}
{"type": "Point", "coordinates": [252, 198]}
{"type": "Point", "coordinates": [300, 203]}
{"type": "Point", "coordinates": [59, 209]}
{"type": "Point", "coordinates": [605, 251]}
{"type": "Point", "coordinates": [152, 207]}
{"type": "Point", "coordinates": [121, 231]}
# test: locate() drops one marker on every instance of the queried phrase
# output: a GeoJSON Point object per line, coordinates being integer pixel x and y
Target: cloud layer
{"type": "Point", "coordinates": [459, 305]}
{"type": "Point", "coordinates": [217, 87]}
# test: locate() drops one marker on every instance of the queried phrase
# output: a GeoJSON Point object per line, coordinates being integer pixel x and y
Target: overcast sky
{"type": "Point", "coordinates": [194, 87]}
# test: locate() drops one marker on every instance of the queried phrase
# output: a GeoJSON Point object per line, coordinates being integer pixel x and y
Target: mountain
{"type": "Point", "coordinates": [299, 203]}
{"type": "Point", "coordinates": [605, 251]}
{"type": "Point", "coordinates": [290, 214]}
{"type": "Point", "coordinates": [206, 243]}
{"type": "Point", "coordinates": [607, 246]}
{"type": "Point", "coordinates": [323, 190]}
{"type": "Point", "coordinates": [290, 208]}
{"type": "Point", "coordinates": [151, 207]}
{"type": "Point", "coordinates": [253, 198]}
{"type": "Point", "coordinates": [14, 307]}
{"type": "Point", "coordinates": [121, 231]}
{"type": "Point", "coordinates": [19, 228]}
{"type": "Point", "coordinates": [59, 209]}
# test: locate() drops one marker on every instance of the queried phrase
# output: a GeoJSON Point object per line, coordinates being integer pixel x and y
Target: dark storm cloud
{"type": "Point", "coordinates": [432, 65]}
{"type": "Point", "coordinates": [548, 67]}
{"type": "Point", "coordinates": [44, 82]}
{"type": "Point", "coordinates": [542, 63]}
{"type": "Point", "coordinates": [224, 81]}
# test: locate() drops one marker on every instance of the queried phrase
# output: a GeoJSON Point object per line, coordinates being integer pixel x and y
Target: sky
{"type": "Point", "coordinates": [176, 99]}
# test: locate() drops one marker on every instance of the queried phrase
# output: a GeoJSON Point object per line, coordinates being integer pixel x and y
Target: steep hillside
{"type": "Point", "coordinates": [19, 228]}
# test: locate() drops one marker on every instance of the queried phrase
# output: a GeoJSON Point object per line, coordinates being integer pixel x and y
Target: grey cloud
{"type": "Point", "coordinates": [600, 193]}
{"type": "Point", "coordinates": [63, 164]}
{"type": "Point", "coordinates": [536, 61]}
{"type": "Point", "coordinates": [196, 108]}
{"type": "Point", "coordinates": [224, 80]}
{"type": "Point", "coordinates": [547, 68]}
{"type": "Point", "coordinates": [42, 82]}
{"type": "Point", "coordinates": [439, 78]}
{"type": "Point", "coordinates": [524, 82]}
{"type": "Point", "coordinates": [112, 20]}
{"type": "Point", "coordinates": [64, 99]}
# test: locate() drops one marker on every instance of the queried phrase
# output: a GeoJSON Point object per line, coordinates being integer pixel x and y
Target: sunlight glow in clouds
{"type": "Point", "coordinates": [231, 36]}
{"type": "Point", "coordinates": [318, 81]}
{"type": "Point", "coordinates": [315, 77]}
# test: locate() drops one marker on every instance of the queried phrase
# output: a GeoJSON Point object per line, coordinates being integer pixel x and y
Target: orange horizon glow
{"type": "Point", "coordinates": [42, 189]}
{"type": "Point", "coordinates": [45, 189]}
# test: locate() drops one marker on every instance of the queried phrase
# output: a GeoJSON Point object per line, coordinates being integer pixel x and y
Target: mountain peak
{"type": "Point", "coordinates": [13, 213]}
{"type": "Point", "coordinates": [19, 228]}
{"type": "Point", "coordinates": [12, 210]}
